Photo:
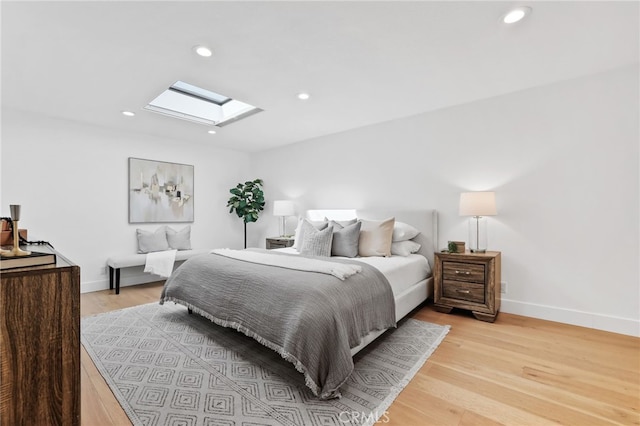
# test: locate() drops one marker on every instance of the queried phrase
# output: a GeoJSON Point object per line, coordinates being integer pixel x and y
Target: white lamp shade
{"type": "Point", "coordinates": [478, 204]}
{"type": "Point", "coordinates": [284, 208]}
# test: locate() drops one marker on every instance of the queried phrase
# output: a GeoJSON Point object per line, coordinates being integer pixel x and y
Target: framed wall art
{"type": "Point", "coordinates": [160, 191]}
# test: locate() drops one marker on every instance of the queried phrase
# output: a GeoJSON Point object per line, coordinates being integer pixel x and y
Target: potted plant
{"type": "Point", "coordinates": [247, 202]}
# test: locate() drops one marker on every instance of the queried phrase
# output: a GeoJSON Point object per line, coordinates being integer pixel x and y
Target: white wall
{"type": "Point", "coordinates": [71, 180]}
{"type": "Point", "coordinates": [563, 160]}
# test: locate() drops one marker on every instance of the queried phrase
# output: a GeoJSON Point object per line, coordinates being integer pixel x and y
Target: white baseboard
{"type": "Point", "coordinates": [89, 286]}
{"type": "Point", "coordinates": [610, 323]}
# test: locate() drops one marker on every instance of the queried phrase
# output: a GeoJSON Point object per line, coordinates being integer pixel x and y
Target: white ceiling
{"type": "Point", "coordinates": [362, 62]}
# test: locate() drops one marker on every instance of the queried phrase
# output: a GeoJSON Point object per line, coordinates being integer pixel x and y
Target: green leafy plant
{"type": "Point", "coordinates": [453, 247]}
{"type": "Point", "coordinates": [247, 202]}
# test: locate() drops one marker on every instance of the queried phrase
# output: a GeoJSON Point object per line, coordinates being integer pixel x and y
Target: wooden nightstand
{"type": "Point", "coordinates": [468, 281]}
{"type": "Point", "coordinates": [279, 242]}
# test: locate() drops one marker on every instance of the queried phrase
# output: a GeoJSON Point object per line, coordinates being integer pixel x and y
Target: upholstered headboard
{"type": "Point", "coordinates": [424, 220]}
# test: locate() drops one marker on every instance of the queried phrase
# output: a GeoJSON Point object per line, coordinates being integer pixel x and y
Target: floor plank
{"type": "Point", "coordinates": [516, 371]}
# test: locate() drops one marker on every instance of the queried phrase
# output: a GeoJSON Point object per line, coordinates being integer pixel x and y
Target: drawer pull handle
{"type": "Point", "coordinates": [466, 272]}
{"type": "Point", "coordinates": [463, 291]}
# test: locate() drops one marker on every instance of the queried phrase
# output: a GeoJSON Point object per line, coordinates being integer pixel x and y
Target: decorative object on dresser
{"type": "Point", "coordinates": [6, 232]}
{"type": "Point", "coordinates": [40, 344]}
{"type": "Point", "coordinates": [160, 192]}
{"type": "Point", "coordinates": [279, 242]}
{"type": "Point", "coordinates": [16, 251]}
{"type": "Point", "coordinates": [468, 281]}
{"type": "Point", "coordinates": [247, 201]}
{"type": "Point", "coordinates": [283, 208]}
{"type": "Point", "coordinates": [477, 205]}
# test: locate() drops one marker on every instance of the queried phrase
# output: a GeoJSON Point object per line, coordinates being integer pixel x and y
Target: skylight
{"type": "Point", "coordinates": [188, 102]}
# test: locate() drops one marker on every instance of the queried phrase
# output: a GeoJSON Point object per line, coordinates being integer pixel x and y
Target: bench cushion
{"type": "Point", "coordinates": [128, 260]}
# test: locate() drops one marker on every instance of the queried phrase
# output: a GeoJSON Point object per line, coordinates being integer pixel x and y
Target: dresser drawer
{"type": "Point", "coordinates": [471, 292]}
{"type": "Point", "coordinates": [468, 272]}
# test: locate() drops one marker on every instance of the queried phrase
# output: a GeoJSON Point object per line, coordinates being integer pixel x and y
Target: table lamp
{"type": "Point", "coordinates": [283, 208]}
{"type": "Point", "coordinates": [477, 205]}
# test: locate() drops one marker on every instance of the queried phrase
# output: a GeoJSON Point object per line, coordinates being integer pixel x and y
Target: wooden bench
{"type": "Point", "coordinates": [115, 263]}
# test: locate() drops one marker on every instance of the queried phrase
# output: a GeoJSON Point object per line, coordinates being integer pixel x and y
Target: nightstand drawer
{"type": "Point", "coordinates": [281, 242]}
{"type": "Point", "coordinates": [468, 272]}
{"type": "Point", "coordinates": [470, 292]}
{"type": "Point", "coordinates": [277, 245]}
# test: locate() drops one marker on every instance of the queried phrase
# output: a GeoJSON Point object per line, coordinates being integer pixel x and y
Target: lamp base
{"type": "Point", "coordinates": [478, 234]}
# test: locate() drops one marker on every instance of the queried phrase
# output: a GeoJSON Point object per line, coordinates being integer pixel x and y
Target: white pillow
{"type": "Point", "coordinates": [296, 235]}
{"type": "Point", "coordinates": [179, 240]}
{"type": "Point", "coordinates": [375, 237]}
{"type": "Point", "coordinates": [403, 232]}
{"type": "Point", "coordinates": [152, 241]}
{"type": "Point", "coordinates": [404, 248]}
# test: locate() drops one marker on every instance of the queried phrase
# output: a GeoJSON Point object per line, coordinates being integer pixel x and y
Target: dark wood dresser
{"type": "Point", "coordinates": [40, 344]}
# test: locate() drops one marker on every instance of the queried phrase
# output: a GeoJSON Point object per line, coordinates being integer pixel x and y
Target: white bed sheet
{"type": "Point", "coordinates": [402, 272]}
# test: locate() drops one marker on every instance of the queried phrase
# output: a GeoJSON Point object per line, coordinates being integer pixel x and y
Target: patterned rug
{"type": "Point", "coordinates": [167, 367]}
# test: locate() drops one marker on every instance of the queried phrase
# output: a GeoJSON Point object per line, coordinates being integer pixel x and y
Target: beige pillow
{"type": "Point", "coordinates": [375, 237]}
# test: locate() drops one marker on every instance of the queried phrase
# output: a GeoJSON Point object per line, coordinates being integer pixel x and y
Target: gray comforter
{"type": "Point", "coordinates": [311, 319]}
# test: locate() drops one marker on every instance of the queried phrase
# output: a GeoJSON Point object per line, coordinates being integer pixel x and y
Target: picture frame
{"type": "Point", "coordinates": [160, 191]}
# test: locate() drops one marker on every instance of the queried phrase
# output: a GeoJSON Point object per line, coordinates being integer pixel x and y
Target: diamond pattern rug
{"type": "Point", "coordinates": [166, 367]}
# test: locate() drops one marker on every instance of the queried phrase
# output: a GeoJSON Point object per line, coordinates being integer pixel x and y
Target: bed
{"type": "Point", "coordinates": [316, 312]}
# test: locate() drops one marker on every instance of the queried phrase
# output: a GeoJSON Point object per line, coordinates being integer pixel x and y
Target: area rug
{"type": "Point", "coordinates": [166, 367]}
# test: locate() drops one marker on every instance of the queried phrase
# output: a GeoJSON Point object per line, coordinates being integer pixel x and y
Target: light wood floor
{"type": "Point", "coordinates": [516, 371]}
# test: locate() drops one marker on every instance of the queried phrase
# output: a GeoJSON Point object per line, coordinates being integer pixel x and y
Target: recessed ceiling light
{"type": "Point", "coordinates": [203, 51]}
{"type": "Point", "coordinates": [128, 113]}
{"type": "Point", "coordinates": [303, 96]}
{"type": "Point", "coordinates": [212, 132]}
{"type": "Point", "coordinates": [516, 14]}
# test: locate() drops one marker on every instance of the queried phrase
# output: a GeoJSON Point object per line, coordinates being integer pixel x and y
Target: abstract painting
{"type": "Point", "coordinates": [160, 191]}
